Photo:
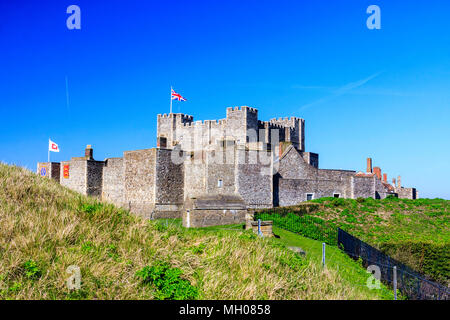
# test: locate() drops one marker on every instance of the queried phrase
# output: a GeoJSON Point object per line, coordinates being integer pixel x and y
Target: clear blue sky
{"type": "Point", "coordinates": [378, 93]}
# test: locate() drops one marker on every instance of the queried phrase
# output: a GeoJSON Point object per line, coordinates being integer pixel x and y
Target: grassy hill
{"type": "Point", "coordinates": [415, 232]}
{"type": "Point", "coordinates": [45, 228]}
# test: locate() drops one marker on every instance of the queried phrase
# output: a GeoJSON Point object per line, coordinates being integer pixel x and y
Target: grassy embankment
{"type": "Point", "coordinates": [415, 232]}
{"type": "Point", "coordinates": [45, 228]}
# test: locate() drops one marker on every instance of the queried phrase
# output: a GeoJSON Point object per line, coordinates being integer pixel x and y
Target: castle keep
{"type": "Point", "coordinates": [212, 171]}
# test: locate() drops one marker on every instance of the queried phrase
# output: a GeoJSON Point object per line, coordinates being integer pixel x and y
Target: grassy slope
{"type": "Point", "coordinates": [55, 228]}
{"type": "Point", "coordinates": [416, 232]}
{"type": "Point", "coordinates": [352, 271]}
{"type": "Point", "coordinates": [385, 220]}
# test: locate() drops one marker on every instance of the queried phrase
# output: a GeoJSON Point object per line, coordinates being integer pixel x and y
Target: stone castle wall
{"type": "Point", "coordinates": [194, 177]}
{"type": "Point", "coordinates": [113, 188]}
{"type": "Point", "coordinates": [139, 179]}
{"type": "Point", "coordinates": [294, 185]}
{"type": "Point", "coordinates": [49, 170]}
{"type": "Point", "coordinates": [169, 185]}
{"type": "Point", "coordinates": [362, 186]}
{"type": "Point", "coordinates": [94, 178]}
{"type": "Point", "coordinates": [254, 178]}
{"type": "Point", "coordinates": [231, 156]}
{"type": "Point", "coordinates": [77, 179]}
{"type": "Point", "coordinates": [407, 193]}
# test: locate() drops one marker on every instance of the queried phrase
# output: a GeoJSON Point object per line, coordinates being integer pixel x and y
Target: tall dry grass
{"type": "Point", "coordinates": [56, 228]}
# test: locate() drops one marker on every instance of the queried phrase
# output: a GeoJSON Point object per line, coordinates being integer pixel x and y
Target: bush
{"type": "Point", "coordinates": [391, 198]}
{"type": "Point", "coordinates": [428, 258]}
{"type": "Point", "coordinates": [322, 200]}
{"type": "Point", "coordinates": [31, 269]}
{"type": "Point", "coordinates": [198, 249]}
{"type": "Point", "coordinates": [360, 199]}
{"type": "Point", "coordinates": [90, 209]}
{"type": "Point", "coordinates": [168, 282]}
{"type": "Point", "coordinates": [338, 202]}
{"type": "Point", "coordinates": [293, 261]}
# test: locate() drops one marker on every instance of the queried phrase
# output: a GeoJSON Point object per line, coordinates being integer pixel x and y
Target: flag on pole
{"type": "Point", "coordinates": [52, 146]}
{"type": "Point", "coordinates": [177, 96]}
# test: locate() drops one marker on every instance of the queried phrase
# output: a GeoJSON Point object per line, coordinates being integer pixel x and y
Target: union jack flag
{"type": "Point", "coordinates": [177, 96]}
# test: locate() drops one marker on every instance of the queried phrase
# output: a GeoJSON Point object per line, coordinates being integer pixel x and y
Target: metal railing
{"type": "Point", "coordinates": [409, 282]}
{"type": "Point", "coordinates": [305, 225]}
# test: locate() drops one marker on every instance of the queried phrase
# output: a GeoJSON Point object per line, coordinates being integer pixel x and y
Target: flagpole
{"type": "Point", "coordinates": [170, 99]}
{"type": "Point", "coordinates": [48, 148]}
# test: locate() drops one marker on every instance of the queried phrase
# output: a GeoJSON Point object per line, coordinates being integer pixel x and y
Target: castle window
{"type": "Point", "coordinates": [309, 196]}
{"type": "Point", "coordinates": [219, 183]}
{"type": "Point", "coordinates": [336, 195]}
{"type": "Point", "coordinates": [161, 142]}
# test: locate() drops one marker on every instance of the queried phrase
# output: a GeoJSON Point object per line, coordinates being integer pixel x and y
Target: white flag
{"type": "Point", "coordinates": [52, 146]}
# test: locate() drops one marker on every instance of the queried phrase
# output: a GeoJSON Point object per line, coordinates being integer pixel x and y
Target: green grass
{"type": "Point", "coordinates": [231, 227]}
{"type": "Point", "coordinates": [46, 228]}
{"type": "Point", "coordinates": [350, 270]}
{"type": "Point", "coordinates": [390, 219]}
{"type": "Point", "coordinates": [415, 232]}
{"type": "Point", "coordinates": [306, 225]}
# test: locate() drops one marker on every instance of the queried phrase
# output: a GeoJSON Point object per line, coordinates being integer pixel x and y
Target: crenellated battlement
{"type": "Point", "coordinates": [242, 109]}
{"type": "Point", "coordinates": [178, 128]}
{"type": "Point", "coordinates": [287, 122]}
{"type": "Point", "coordinates": [180, 117]}
{"type": "Point", "coordinates": [204, 123]}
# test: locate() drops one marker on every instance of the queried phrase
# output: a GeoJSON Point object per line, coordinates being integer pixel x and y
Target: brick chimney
{"type": "Point", "coordinates": [385, 177]}
{"type": "Point", "coordinates": [377, 171]}
{"type": "Point", "coordinates": [394, 182]}
{"type": "Point", "coordinates": [399, 182]}
{"type": "Point", "coordinates": [369, 165]}
{"type": "Point", "coordinates": [89, 152]}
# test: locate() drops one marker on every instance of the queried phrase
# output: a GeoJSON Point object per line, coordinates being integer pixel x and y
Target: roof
{"type": "Point", "coordinates": [388, 186]}
{"type": "Point", "coordinates": [365, 174]}
{"type": "Point", "coordinates": [217, 202]}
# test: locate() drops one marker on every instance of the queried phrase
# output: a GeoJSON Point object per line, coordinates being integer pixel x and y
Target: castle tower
{"type": "Point", "coordinates": [239, 121]}
{"type": "Point", "coordinates": [291, 130]}
{"type": "Point", "coordinates": [166, 128]}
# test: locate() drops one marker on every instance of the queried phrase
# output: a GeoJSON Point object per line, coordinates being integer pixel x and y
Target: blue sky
{"type": "Point", "coordinates": [378, 93]}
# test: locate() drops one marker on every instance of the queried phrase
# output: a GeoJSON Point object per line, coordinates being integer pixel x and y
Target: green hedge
{"type": "Point", "coordinates": [305, 225]}
{"type": "Point", "coordinates": [427, 258]}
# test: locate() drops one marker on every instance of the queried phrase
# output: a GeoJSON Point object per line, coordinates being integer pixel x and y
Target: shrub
{"type": "Point", "coordinates": [391, 198]}
{"type": "Point", "coordinates": [338, 202]}
{"type": "Point", "coordinates": [198, 249]}
{"type": "Point", "coordinates": [429, 258]}
{"type": "Point", "coordinates": [360, 199]}
{"type": "Point", "coordinates": [31, 269]}
{"type": "Point", "coordinates": [168, 282]}
{"type": "Point", "coordinates": [322, 200]}
{"type": "Point", "coordinates": [90, 209]}
{"type": "Point", "coordinates": [17, 286]}
{"type": "Point", "coordinates": [293, 261]}
{"type": "Point", "coordinates": [111, 251]}
{"type": "Point", "coordinates": [87, 246]}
